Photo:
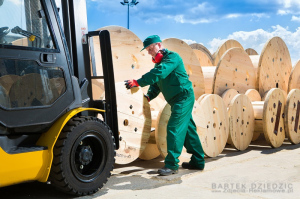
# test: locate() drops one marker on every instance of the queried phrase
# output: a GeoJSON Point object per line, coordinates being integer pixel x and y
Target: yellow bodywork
{"type": "Point", "coordinates": [29, 166]}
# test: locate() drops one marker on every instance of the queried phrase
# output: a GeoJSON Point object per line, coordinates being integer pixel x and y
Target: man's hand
{"type": "Point", "coordinates": [146, 96]}
{"type": "Point", "coordinates": [131, 83]}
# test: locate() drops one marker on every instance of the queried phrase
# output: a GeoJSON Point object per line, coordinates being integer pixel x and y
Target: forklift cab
{"type": "Point", "coordinates": [45, 67]}
{"type": "Point", "coordinates": [35, 71]}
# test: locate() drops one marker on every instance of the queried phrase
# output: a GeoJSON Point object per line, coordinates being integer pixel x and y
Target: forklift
{"type": "Point", "coordinates": [52, 128]}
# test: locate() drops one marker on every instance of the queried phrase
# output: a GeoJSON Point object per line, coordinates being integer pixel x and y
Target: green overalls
{"type": "Point", "coordinates": [170, 78]}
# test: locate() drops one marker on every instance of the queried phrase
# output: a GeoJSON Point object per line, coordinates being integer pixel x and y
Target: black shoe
{"type": "Point", "coordinates": [187, 165]}
{"type": "Point", "coordinates": [166, 171]}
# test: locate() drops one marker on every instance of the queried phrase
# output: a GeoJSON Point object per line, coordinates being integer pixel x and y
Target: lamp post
{"type": "Point", "coordinates": [126, 3]}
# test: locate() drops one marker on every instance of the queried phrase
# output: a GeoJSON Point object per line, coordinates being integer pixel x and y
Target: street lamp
{"type": "Point", "coordinates": [131, 4]}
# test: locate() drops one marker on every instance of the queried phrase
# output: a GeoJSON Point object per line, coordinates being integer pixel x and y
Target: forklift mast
{"type": "Point", "coordinates": [75, 26]}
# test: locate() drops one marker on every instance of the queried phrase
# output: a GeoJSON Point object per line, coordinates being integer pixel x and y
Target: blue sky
{"type": "Point", "coordinates": [210, 23]}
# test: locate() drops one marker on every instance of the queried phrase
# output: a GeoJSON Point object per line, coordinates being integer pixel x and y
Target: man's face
{"type": "Point", "coordinates": [153, 49]}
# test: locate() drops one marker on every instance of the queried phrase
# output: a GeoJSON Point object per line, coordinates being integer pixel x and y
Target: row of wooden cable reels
{"type": "Point", "coordinates": [228, 86]}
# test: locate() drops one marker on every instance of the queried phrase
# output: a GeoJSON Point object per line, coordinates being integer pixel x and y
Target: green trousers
{"type": "Point", "coordinates": [181, 131]}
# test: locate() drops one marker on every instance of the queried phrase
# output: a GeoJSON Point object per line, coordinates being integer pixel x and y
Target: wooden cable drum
{"type": "Point", "coordinates": [208, 73]}
{"type": "Point", "coordinates": [210, 116]}
{"type": "Point", "coordinates": [234, 70]}
{"type": "Point", "coordinates": [190, 61]}
{"type": "Point", "coordinates": [292, 110]}
{"type": "Point", "coordinates": [128, 61]}
{"type": "Point", "coordinates": [134, 120]}
{"type": "Point", "coordinates": [161, 134]}
{"type": "Point", "coordinates": [273, 66]}
{"type": "Point", "coordinates": [294, 80]}
{"type": "Point", "coordinates": [32, 90]}
{"type": "Point", "coordinates": [241, 122]}
{"type": "Point", "coordinates": [241, 119]}
{"type": "Point", "coordinates": [251, 51]}
{"type": "Point", "coordinates": [151, 150]}
{"type": "Point", "coordinates": [231, 43]}
{"type": "Point", "coordinates": [254, 95]}
{"type": "Point", "coordinates": [228, 95]}
{"type": "Point", "coordinates": [203, 54]}
{"type": "Point", "coordinates": [269, 117]}
{"type": "Point", "coordinates": [7, 81]}
{"type": "Point", "coordinates": [201, 97]}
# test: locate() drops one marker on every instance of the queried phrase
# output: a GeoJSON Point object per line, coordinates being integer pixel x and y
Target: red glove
{"type": "Point", "coordinates": [147, 98]}
{"type": "Point", "coordinates": [131, 83]}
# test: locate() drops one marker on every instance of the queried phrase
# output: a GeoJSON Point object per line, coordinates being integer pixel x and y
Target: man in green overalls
{"type": "Point", "coordinates": [170, 77]}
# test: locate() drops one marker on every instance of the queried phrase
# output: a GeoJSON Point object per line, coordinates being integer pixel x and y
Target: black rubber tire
{"type": "Point", "coordinates": [84, 156]}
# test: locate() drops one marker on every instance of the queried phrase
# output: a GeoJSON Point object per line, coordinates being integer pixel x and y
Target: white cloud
{"type": "Point", "coordinates": [183, 19]}
{"type": "Point", "coordinates": [294, 18]}
{"type": "Point", "coordinates": [282, 12]}
{"type": "Point", "coordinates": [189, 41]}
{"type": "Point", "coordinates": [202, 8]}
{"type": "Point", "coordinates": [230, 16]}
{"type": "Point", "coordinates": [288, 7]}
{"type": "Point", "coordinates": [289, 3]}
{"type": "Point", "coordinates": [260, 15]}
{"type": "Point", "coordinates": [237, 15]}
{"type": "Point", "coordinates": [256, 39]}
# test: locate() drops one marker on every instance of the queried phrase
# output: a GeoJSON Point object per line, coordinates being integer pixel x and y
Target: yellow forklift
{"type": "Point", "coordinates": [50, 129]}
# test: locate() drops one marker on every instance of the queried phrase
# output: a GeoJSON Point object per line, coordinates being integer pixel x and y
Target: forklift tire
{"type": "Point", "coordinates": [84, 156]}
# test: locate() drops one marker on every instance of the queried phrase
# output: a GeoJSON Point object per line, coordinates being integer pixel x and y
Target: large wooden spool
{"type": "Point", "coordinates": [151, 150]}
{"type": "Point", "coordinates": [254, 95]}
{"type": "Point", "coordinates": [234, 70]}
{"type": "Point", "coordinates": [210, 116]}
{"type": "Point", "coordinates": [292, 119]}
{"type": "Point", "coordinates": [203, 54]}
{"type": "Point", "coordinates": [251, 51]}
{"type": "Point", "coordinates": [231, 43]}
{"type": "Point", "coordinates": [134, 120]}
{"type": "Point", "coordinates": [7, 81]}
{"type": "Point", "coordinates": [228, 95]}
{"type": "Point", "coordinates": [294, 80]}
{"type": "Point", "coordinates": [241, 119]}
{"type": "Point", "coordinates": [273, 66]}
{"type": "Point", "coordinates": [269, 117]}
{"type": "Point", "coordinates": [128, 61]}
{"type": "Point", "coordinates": [190, 61]}
{"type": "Point", "coordinates": [32, 90]}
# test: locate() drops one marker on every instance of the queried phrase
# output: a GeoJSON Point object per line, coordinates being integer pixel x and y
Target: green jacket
{"type": "Point", "coordinates": [168, 77]}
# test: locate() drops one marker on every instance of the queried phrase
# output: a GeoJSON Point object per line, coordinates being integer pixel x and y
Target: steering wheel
{"type": "Point", "coordinates": [4, 31]}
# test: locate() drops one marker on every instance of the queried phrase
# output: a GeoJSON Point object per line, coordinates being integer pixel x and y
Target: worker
{"type": "Point", "coordinates": [170, 77]}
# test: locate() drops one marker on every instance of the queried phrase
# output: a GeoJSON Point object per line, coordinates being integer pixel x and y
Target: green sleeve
{"type": "Point", "coordinates": [153, 91]}
{"type": "Point", "coordinates": [160, 71]}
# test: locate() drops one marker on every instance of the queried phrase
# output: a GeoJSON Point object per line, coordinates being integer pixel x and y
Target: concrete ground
{"type": "Point", "coordinates": [258, 172]}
